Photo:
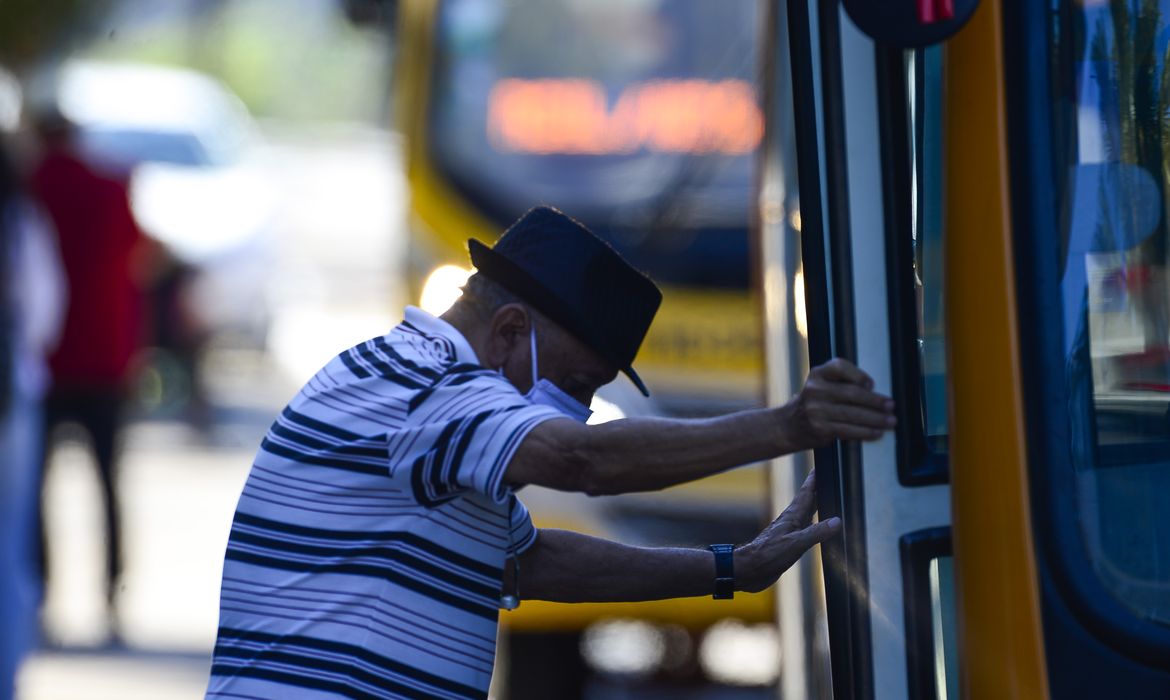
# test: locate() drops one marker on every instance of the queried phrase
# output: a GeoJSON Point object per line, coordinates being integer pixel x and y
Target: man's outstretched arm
{"type": "Point", "coordinates": [647, 454]}
{"type": "Point", "coordinates": [570, 567]}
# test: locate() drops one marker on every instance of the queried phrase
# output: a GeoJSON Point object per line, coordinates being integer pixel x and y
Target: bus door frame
{"type": "Point", "coordinates": [844, 157]}
{"type": "Point", "coordinates": [819, 136]}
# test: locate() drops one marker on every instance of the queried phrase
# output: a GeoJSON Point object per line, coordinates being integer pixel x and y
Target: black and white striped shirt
{"type": "Point", "coordinates": [367, 551]}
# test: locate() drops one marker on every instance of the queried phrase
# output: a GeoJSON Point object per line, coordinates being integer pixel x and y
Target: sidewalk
{"type": "Point", "coordinates": [178, 492]}
{"type": "Point", "coordinates": [125, 675]}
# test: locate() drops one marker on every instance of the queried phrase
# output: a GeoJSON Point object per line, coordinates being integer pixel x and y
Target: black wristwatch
{"type": "Point", "coordinates": [724, 571]}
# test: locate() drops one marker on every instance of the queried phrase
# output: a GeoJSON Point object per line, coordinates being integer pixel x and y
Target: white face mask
{"type": "Point", "coordinates": [545, 393]}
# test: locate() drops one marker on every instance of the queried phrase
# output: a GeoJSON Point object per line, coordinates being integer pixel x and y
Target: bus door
{"type": "Point", "coordinates": [867, 127]}
{"type": "Point", "coordinates": [1042, 128]}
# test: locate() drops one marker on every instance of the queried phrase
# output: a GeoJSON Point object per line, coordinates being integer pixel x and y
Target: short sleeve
{"type": "Point", "coordinates": [480, 423]}
{"type": "Point", "coordinates": [522, 532]}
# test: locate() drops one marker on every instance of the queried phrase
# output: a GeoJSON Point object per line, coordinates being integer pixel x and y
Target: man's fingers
{"type": "Point", "coordinates": [856, 395]}
{"type": "Point", "coordinates": [775, 550]}
{"type": "Point", "coordinates": [819, 532]}
{"type": "Point", "coordinates": [800, 511]}
{"type": "Point", "coordinates": [840, 370]}
{"type": "Point", "coordinates": [851, 431]}
{"type": "Point", "coordinates": [857, 416]}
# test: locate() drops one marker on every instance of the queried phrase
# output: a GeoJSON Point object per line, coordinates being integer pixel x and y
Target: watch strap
{"type": "Point", "coordinates": [724, 571]}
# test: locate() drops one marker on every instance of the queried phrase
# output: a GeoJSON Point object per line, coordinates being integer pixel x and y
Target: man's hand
{"type": "Point", "coordinates": [760, 562]}
{"type": "Point", "coordinates": [569, 567]}
{"type": "Point", "coordinates": [838, 403]}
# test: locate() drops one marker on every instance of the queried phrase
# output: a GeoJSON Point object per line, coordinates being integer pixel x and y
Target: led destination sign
{"type": "Point", "coordinates": [574, 116]}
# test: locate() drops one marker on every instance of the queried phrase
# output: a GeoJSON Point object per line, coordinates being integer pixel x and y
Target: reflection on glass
{"type": "Point", "coordinates": [924, 82]}
{"type": "Point", "coordinates": [1114, 126]}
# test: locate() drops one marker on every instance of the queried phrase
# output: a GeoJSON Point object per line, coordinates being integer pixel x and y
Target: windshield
{"type": "Point", "coordinates": [640, 118]}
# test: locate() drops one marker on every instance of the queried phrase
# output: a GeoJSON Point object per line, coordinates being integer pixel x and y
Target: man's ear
{"type": "Point", "coordinates": [507, 331]}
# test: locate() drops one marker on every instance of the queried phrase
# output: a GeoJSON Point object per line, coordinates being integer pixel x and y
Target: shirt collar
{"type": "Point", "coordinates": [433, 325]}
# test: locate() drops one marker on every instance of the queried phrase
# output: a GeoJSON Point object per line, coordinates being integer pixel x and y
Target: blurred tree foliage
{"type": "Point", "coordinates": [289, 59]}
{"type": "Point", "coordinates": [32, 30]}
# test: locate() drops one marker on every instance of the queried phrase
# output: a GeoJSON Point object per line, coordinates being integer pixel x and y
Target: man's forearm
{"type": "Point", "coordinates": [573, 568]}
{"type": "Point", "coordinates": [644, 454]}
{"type": "Point", "coordinates": [569, 567]}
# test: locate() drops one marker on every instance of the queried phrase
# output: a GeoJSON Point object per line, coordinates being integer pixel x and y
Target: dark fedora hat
{"type": "Point", "coordinates": [562, 269]}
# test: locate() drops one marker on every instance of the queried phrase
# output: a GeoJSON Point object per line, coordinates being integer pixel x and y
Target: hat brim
{"type": "Point", "coordinates": [516, 279]}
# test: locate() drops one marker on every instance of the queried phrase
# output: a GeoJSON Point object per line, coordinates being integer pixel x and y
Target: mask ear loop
{"type": "Point", "coordinates": [532, 342]}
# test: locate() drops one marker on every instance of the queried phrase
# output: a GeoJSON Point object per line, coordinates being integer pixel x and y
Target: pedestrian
{"type": "Point", "coordinates": [32, 307]}
{"type": "Point", "coordinates": [101, 245]}
{"type": "Point", "coordinates": [379, 530]}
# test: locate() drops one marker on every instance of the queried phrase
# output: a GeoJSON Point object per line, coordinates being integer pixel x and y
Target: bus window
{"type": "Point", "coordinates": [912, 85]}
{"type": "Point", "coordinates": [924, 83]}
{"type": "Point", "coordinates": [1116, 301]}
{"type": "Point", "coordinates": [942, 616]}
{"type": "Point", "coordinates": [932, 655]}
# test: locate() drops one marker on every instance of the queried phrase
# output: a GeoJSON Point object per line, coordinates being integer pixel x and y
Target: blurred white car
{"type": "Point", "coordinates": [187, 142]}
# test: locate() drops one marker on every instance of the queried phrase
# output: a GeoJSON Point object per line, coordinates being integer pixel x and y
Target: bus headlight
{"type": "Point", "coordinates": [442, 288]}
{"type": "Point", "coordinates": [634, 648]}
{"type": "Point", "coordinates": [623, 647]}
{"type": "Point", "coordinates": [604, 411]}
{"type": "Point", "coordinates": [739, 654]}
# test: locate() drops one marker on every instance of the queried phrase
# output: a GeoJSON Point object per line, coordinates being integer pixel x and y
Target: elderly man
{"type": "Point", "coordinates": [379, 533]}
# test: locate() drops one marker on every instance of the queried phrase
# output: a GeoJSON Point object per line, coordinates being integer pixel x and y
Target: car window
{"type": "Point", "coordinates": [128, 147]}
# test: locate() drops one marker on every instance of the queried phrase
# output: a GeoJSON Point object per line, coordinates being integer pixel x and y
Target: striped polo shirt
{"type": "Point", "coordinates": [368, 547]}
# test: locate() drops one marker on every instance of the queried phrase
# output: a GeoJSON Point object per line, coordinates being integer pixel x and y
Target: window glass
{"type": "Point", "coordinates": [924, 83]}
{"type": "Point", "coordinates": [1113, 125]}
{"type": "Point", "coordinates": [942, 609]}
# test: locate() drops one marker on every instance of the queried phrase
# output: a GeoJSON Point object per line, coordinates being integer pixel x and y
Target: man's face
{"type": "Point", "coordinates": [561, 358]}
{"type": "Point", "coordinates": [569, 363]}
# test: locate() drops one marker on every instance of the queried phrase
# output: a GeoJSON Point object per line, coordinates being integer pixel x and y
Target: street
{"type": "Point", "coordinates": [177, 498]}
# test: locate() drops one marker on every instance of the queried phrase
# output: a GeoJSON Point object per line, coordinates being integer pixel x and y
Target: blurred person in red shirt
{"type": "Point", "coordinates": [101, 248]}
